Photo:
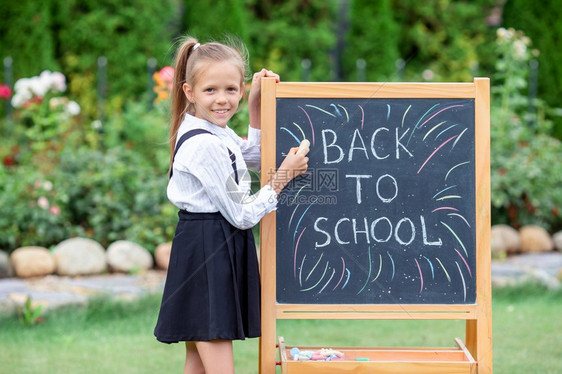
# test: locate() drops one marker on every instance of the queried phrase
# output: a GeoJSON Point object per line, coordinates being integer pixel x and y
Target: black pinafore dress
{"type": "Point", "coordinates": [212, 288]}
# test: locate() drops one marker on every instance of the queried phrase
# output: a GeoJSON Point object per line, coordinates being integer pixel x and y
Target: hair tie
{"type": "Point", "coordinates": [195, 46]}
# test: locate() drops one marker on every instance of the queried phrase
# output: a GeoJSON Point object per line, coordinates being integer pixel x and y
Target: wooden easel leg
{"type": "Point", "coordinates": [267, 353]}
{"type": "Point", "coordinates": [471, 337]}
{"type": "Point", "coordinates": [479, 344]}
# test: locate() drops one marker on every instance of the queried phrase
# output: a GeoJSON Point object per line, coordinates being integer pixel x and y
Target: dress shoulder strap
{"type": "Point", "coordinates": [194, 132]}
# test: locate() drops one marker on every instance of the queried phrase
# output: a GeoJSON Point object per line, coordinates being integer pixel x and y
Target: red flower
{"type": "Point", "coordinates": [9, 160]}
{"type": "Point", "coordinates": [5, 92]}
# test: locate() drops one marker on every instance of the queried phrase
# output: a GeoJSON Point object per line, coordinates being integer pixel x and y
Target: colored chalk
{"type": "Point", "coordinates": [362, 359]}
{"type": "Point", "coordinates": [295, 352]}
{"type": "Point", "coordinates": [317, 357]}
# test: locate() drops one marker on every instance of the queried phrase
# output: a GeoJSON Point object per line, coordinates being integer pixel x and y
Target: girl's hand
{"type": "Point", "coordinates": [294, 164]}
{"type": "Point", "coordinates": [254, 101]}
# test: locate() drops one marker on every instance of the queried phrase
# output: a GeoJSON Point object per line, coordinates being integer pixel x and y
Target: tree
{"type": "Point", "coordinates": [285, 32]}
{"type": "Point", "coordinates": [442, 37]}
{"type": "Point", "coordinates": [127, 33]}
{"type": "Point", "coordinates": [373, 36]}
{"type": "Point", "coordinates": [208, 20]}
{"type": "Point", "coordinates": [26, 36]}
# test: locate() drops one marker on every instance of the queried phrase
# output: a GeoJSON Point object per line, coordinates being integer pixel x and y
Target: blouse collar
{"type": "Point", "coordinates": [193, 122]}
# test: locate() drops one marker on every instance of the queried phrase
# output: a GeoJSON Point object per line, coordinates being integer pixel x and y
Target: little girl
{"type": "Point", "coordinates": [212, 290]}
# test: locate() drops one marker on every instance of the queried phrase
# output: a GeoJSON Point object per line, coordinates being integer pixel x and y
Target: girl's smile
{"type": "Point", "coordinates": [217, 92]}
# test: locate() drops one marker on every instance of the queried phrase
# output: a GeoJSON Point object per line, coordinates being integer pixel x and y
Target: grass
{"type": "Point", "coordinates": [111, 337]}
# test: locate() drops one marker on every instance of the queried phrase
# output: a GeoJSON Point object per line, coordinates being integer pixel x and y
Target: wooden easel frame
{"type": "Point", "coordinates": [478, 316]}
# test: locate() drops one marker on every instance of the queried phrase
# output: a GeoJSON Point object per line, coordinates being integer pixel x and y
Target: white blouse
{"type": "Point", "coordinates": [203, 178]}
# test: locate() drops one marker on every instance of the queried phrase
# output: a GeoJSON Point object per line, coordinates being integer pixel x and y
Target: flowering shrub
{"type": "Point", "coordinates": [525, 180]}
{"type": "Point", "coordinates": [45, 120]}
{"type": "Point", "coordinates": [39, 104]}
{"type": "Point", "coordinates": [55, 183]}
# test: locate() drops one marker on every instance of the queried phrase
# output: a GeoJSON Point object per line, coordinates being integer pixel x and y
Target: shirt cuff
{"type": "Point", "coordinates": [254, 135]}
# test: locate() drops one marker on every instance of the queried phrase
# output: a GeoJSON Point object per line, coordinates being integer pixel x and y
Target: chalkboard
{"type": "Point", "coordinates": [386, 212]}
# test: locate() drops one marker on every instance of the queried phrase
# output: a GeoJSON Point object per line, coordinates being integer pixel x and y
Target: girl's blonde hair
{"type": "Point", "coordinates": [191, 59]}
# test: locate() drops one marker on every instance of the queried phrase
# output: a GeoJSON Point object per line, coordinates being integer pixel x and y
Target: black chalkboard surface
{"type": "Point", "coordinates": [386, 212]}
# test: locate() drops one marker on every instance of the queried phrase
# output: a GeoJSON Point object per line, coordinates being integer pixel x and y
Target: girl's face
{"type": "Point", "coordinates": [217, 93]}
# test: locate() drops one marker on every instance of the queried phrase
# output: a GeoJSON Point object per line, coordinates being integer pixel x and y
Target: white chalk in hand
{"type": "Point", "coordinates": [305, 145]}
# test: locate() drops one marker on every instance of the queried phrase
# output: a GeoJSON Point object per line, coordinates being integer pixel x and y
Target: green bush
{"type": "Point", "coordinates": [33, 210]}
{"type": "Point", "coordinates": [525, 181]}
{"type": "Point", "coordinates": [141, 130]}
{"type": "Point", "coordinates": [106, 196]}
{"type": "Point", "coordinates": [107, 193]}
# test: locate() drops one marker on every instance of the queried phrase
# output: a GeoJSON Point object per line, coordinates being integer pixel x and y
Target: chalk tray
{"type": "Point", "coordinates": [448, 360]}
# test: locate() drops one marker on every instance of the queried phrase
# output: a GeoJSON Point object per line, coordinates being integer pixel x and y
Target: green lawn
{"type": "Point", "coordinates": [113, 337]}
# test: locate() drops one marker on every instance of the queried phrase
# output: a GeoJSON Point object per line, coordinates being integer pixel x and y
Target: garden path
{"type": "Point", "coordinates": [53, 291]}
{"type": "Point", "coordinates": [56, 291]}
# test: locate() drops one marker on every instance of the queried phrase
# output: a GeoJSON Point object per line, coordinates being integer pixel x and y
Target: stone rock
{"type": "Point", "coordinates": [5, 265]}
{"type": "Point", "coordinates": [162, 255]}
{"type": "Point", "coordinates": [126, 256]}
{"type": "Point", "coordinates": [557, 238]}
{"type": "Point", "coordinates": [535, 239]}
{"type": "Point", "coordinates": [32, 262]}
{"type": "Point", "coordinates": [79, 256]}
{"type": "Point", "coordinates": [505, 239]}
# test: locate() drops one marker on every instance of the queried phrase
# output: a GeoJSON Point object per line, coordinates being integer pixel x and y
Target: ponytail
{"type": "Point", "coordinates": [180, 105]}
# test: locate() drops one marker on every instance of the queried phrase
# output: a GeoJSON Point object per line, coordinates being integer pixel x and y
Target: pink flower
{"type": "Point", "coordinates": [55, 210]}
{"type": "Point", "coordinates": [57, 82]}
{"type": "Point", "coordinates": [167, 75]}
{"type": "Point", "coordinates": [43, 202]}
{"type": "Point", "coordinates": [5, 92]}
